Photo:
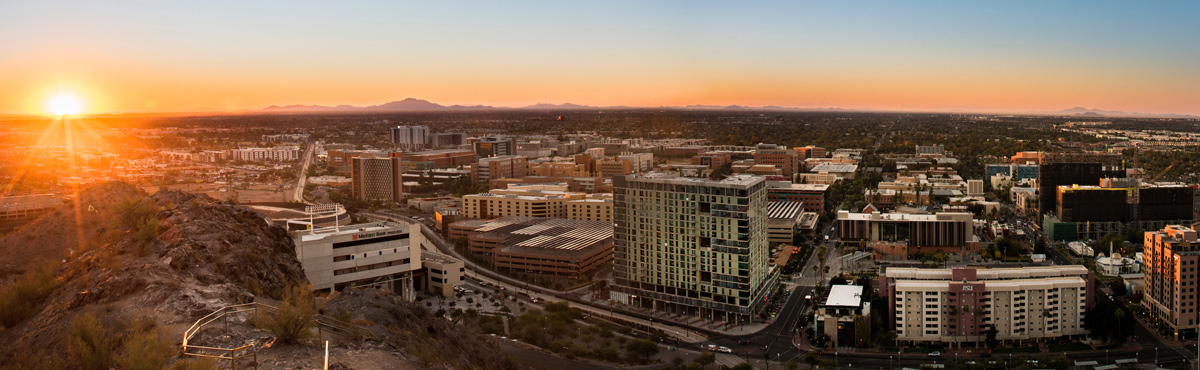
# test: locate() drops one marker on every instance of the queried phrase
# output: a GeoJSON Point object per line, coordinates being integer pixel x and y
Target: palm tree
{"type": "Point", "coordinates": [954, 312]}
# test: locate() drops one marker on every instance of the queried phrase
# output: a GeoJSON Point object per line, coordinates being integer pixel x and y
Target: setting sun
{"type": "Point", "coordinates": [65, 103]}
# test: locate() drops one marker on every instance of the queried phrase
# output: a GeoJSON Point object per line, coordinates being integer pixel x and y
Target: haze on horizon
{"type": "Point", "coordinates": [148, 56]}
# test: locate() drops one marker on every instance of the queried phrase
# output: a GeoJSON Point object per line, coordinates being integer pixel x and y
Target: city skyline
{"type": "Point", "coordinates": [942, 56]}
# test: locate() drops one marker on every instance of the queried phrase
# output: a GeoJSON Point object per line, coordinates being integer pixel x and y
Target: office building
{"type": "Point", "coordinates": [448, 140]}
{"type": "Point", "coordinates": [639, 162]}
{"type": "Point", "coordinates": [692, 247]}
{"type": "Point", "coordinates": [958, 305]}
{"type": "Point", "coordinates": [786, 160]}
{"type": "Point", "coordinates": [441, 158]}
{"type": "Point", "coordinates": [782, 220]}
{"type": "Point", "coordinates": [376, 178]}
{"type": "Point", "coordinates": [812, 195]}
{"type": "Point", "coordinates": [502, 167]}
{"type": "Point", "coordinates": [614, 167]}
{"type": "Point", "coordinates": [930, 150]}
{"type": "Point", "coordinates": [1170, 261]}
{"type": "Point", "coordinates": [383, 255]}
{"type": "Point", "coordinates": [410, 137]}
{"type": "Point", "coordinates": [949, 232]}
{"type": "Point", "coordinates": [810, 151]}
{"type": "Point", "coordinates": [1017, 172]}
{"type": "Point", "coordinates": [440, 273]}
{"type": "Point", "coordinates": [494, 147]}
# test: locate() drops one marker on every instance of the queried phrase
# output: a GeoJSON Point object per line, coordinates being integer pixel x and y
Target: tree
{"type": "Point", "coordinates": [705, 359]}
{"type": "Point", "coordinates": [991, 336]}
{"type": "Point", "coordinates": [641, 349]}
{"type": "Point", "coordinates": [292, 322]}
{"type": "Point", "coordinates": [743, 366]}
{"type": "Point", "coordinates": [811, 359]}
{"type": "Point", "coordinates": [792, 365]}
{"type": "Point", "coordinates": [1119, 314]}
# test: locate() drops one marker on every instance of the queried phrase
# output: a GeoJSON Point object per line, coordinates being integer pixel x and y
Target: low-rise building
{"type": "Point", "coordinates": [442, 273]}
{"type": "Point", "coordinates": [958, 305]}
{"type": "Point", "coordinates": [949, 232]}
{"type": "Point", "coordinates": [843, 308]}
{"type": "Point", "coordinates": [559, 247]}
{"type": "Point", "coordinates": [783, 219]}
{"type": "Point", "coordinates": [812, 195]}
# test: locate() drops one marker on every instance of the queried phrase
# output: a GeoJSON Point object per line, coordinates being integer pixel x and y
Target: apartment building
{"type": "Point", "coordinates": [546, 201]}
{"type": "Point", "coordinates": [410, 137]}
{"type": "Point", "coordinates": [277, 154]}
{"type": "Point", "coordinates": [693, 247]}
{"type": "Point", "coordinates": [1170, 258]}
{"type": "Point", "coordinates": [958, 305]}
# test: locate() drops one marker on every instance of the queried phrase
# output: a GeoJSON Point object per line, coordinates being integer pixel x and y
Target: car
{"type": "Point", "coordinates": [985, 355]}
{"type": "Point", "coordinates": [711, 347]}
{"type": "Point", "coordinates": [935, 354]}
{"type": "Point", "coordinates": [743, 341]}
{"type": "Point", "coordinates": [724, 349]}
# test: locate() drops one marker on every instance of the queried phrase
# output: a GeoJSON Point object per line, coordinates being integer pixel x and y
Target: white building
{"type": "Point", "coordinates": [279, 153]}
{"type": "Point", "coordinates": [641, 162]}
{"type": "Point", "coordinates": [975, 188]}
{"type": "Point", "coordinates": [383, 254]}
{"type": "Point", "coordinates": [958, 305]}
{"type": "Point", "coordinates": [410, 137]}
{"type": "Point", "coordinates": [835, 317]}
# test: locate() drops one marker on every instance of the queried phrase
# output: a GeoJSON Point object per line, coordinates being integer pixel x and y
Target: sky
{"type": "Point", "coordinates": [124, 56]}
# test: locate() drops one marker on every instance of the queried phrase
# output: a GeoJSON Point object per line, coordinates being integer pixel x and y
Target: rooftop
{"type": "Point", "coordinates": [669, 178]}
{"type": "Point", "coordinates": [548, 235]}
{"type": "Point", "coordinates": [786, 210]}
{"type": "Point", "coordinates": [844, 296]}
{"type": "Point", "coordinates": [319, 234]}
{"type": "Point", "coordinates": [836, 168]}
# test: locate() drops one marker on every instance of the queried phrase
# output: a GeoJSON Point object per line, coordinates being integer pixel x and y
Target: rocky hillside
{"type": "Point", "coordinates": [131, 272]}
{"type": "Point", "coordinates": [168, 259]}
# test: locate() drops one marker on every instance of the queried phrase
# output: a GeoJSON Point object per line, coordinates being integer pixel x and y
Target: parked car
{"type": "Point", "coordinates": [935, 354]}
{"type": "Point", "coordinates": [724, 349]}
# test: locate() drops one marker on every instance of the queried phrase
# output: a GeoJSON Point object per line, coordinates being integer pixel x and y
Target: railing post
{"type": "Point", "coordinates": [232, 360]}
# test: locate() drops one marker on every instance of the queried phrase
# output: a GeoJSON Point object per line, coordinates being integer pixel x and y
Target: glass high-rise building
{"type": "Point", "coordinates": [692, 247]}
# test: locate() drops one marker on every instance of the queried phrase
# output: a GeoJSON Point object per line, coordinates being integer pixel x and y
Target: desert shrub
{"type": "Point", "coordinates": [147, 350]}
{"type": "Point", "coordinates": [293, 321]}
{"type": "Point", "coordinates": [21, 298]}
{"type": "Point", "coordinates": [89, 344]}
{"type": "Point", "coordinates": [147, 230]}
{"type": "Point", "coordinates": [133, 211]}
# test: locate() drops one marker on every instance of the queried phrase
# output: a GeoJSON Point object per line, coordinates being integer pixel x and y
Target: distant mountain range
{"type": "Point", "coordinates": [417, 105]}
{"type": "Point", "coordinates": [1085, 112]}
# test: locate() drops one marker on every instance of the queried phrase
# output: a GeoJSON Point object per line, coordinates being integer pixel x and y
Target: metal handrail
{"type": "Point", "coordinates": [250, 350]}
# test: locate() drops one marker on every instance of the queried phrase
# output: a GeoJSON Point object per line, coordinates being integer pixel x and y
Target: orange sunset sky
{"type": "Point", "coordinates": [143, 56]}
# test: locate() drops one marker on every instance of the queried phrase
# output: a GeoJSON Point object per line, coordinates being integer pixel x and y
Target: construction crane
{"type": "Point", "coordinates": [1164, 172]}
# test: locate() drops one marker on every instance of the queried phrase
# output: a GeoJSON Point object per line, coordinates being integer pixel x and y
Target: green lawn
{"type": "Point", "coordinates": [1070, 347]}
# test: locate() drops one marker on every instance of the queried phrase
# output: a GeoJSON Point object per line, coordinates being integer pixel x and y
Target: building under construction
{"type": "Point", "coordinates": [1088, 212]}
{"type": "Point", "coordinates": [1068, 169]}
